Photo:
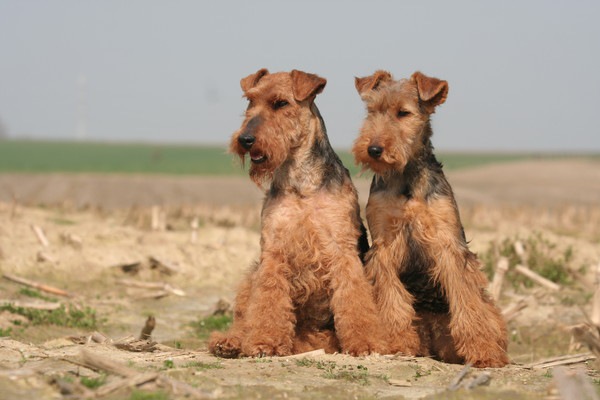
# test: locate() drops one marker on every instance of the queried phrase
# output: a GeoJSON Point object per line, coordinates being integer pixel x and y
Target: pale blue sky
{"type": "Point", "coordinates": [523, 75]}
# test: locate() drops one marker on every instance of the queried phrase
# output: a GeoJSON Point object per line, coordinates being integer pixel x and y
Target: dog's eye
{"type": "Point", "coordinates": [277, 104]}
{"type": "Point", "coordinates": [402, 113]}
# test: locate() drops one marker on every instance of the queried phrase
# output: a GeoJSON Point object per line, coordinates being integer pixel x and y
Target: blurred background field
{"type": "Point", "coordinates": [194, 159]}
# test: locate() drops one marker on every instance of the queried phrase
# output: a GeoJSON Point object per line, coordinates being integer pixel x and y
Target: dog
{"type": "Point", "coordinates": [430, 292]}
{"type": "Point", "coordinates": [309, 289]}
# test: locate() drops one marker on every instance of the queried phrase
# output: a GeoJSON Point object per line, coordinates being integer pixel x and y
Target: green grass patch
{"type": "Point", "coordinates": [205, 326]}
{"type": "Point", "coordinates": [59, 156]}
{"type": "Point", "coordinates": [62, 221]}
{"type": "Point", "coordinates": [305, 362]}
{"type": "Point", "coordinates": [71, 317]}
{"type": "Point", "coordinates": [34, 294]}
{"type": "Point", "coordinates": [420, 372]}
{"type": "Point", "coordinates": [350, 373]}
{"type": "Point", "coordinates": [5, 332]}
{"type": "Point", "coordinates": [99, 157]}
{"type": "Point", "coordinates": [144, 395]}
{"type": "Point", "coordinates": [541, 255]}
{"type": "Point", "coordinates": [202, 366]}
{"type": "Point", "coordinates": [93, 383]}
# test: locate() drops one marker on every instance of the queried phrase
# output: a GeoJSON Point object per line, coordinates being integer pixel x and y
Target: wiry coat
{"type": "Point", "coordinates": [429, 289]}
{"type": "Point", "coordinates": [308, 289]}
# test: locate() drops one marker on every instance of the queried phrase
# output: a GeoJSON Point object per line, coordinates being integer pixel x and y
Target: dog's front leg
{"type": "Point", "coordinates": [356, 320]}
{"type": "Point", "coordinates": [394, 302]}
{"type": "Point", "coordinates": [271, 319]}
{"type": "Point", "coordinates": [477, 326]}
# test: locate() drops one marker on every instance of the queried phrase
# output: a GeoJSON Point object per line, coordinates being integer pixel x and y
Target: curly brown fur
{"type": "Point", "coordinates": [308, 289]}
{"type": "Point", "coordinates": [428, 285]}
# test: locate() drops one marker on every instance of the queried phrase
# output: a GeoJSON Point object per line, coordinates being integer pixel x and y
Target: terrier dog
{"type": "Point", "coordinates": [309, 289]}
{"type": "Point", "coordinates": [429, 289]}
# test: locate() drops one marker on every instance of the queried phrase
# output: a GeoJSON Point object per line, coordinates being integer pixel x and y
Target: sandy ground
{"type": "Point", "coordinates": [95, 224]}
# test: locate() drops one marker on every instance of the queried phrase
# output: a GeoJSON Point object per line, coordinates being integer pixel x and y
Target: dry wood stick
{"type": "Point", "coordinates": [152, 285]}
{"type": "Point", "coordinates": [148, 328]}
{"type": "Point", "coordinates": [99, 363]}
{"type": "Point", "coordinates": [159, 219]}
{"type": "Point", "coordinates": [98, 337]}
{"type": "Point", "coordinates": [163, 266]}
{"type": "Point", "coordinates": [42, 256]}
{"type": "Point", "coordinates": [39, 233]}
{"type": "Point", "coordinates": [36, 285]}
{"type": "Point", "coordinates": [311, 353]}
{"type": "Point", "coordinates": [183, 389]}
{"type": "Point", "coordinates": [562, 360]}
{"type": "Point", "coordinates": [513, 309]}
{"type": "Point", "coordinates": [155, 218]}
{"type": "Point", "coordinates": [159, 294]}
{"type": "Point", "coordinates": [134, 381]}
{"type": "Point", "coordinates": [522, 269]}
{"type": "Point", "coordinates": [37, 305]}
{"type": "Point", "coordinates": [496, 285]}
{"type": "Point", "coordinates": [455, 384]}
{"type": "Point", "coordinates": [588, 335]}
{"type": "Point", "coordinates": [72, 239]}
{"type": "Point", "coordinates": [520, 250]}
{"type": "Point", "coordinates": [133, 378]}
{"type": "Point", "coordinates": [595, 317]}
{"type": "Point", "coordinates": [540, 280]}
{"type": "Point", "coordinates": [482, 379]}
{"type": "Point", "coordinates": [194, 225]}
{"type": "Point", "coordinates": [574, 384]}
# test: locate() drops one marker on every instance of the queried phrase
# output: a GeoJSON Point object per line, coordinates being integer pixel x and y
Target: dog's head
{"type": "Point", "coordinates": [397, 124]}
{"type": "Point", "coordinates": [279, 113]}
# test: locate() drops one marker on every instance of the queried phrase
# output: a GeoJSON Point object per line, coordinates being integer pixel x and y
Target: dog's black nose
{"type": "Point", "coordinates": [375, 151]}
{"type": "Point", "coordinates": [246, 140]}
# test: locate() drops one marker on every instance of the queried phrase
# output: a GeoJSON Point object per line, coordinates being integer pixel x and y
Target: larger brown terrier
{"type": "Point", "coordinates": [309, 289]}
{"type": "Point", "coordinates": [428, 286]}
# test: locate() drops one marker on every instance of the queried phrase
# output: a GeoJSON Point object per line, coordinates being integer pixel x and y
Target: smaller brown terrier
{"type": "Point", "coordinates": [429, 289]}
{"type": "Point", "coordinates": [308, 290]}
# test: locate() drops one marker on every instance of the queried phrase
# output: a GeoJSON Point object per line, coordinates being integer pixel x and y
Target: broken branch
{"type": "Point", "coordinates": [152, 285]}
{"type": "Point", "coordinates": [540, 280]}
{"type": "Point", "coordinates": [36, 285]}
{"type": "Point", "coordinates": [39, 233]}
{"type": "Point", "coordinates": [496, 286]}
{"type": "Point", "coordinates": [562, 360]}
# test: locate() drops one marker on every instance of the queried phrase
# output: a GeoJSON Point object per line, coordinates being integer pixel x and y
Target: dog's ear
{"type": "Point", "coordinates": [306, 86]}
{"type": "Point", "coordinates": [368, 83]}
{"type": "Point", "coordinates": [250, 81]}
{"type": "Point", "coordinates": [432, 91]}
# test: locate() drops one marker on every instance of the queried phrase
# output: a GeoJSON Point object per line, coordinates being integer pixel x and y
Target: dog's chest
{"type": "Point", "coordinates": [387, 216]}
{"type": "Point", "coordinates": [415, 273]}
{"type": "Point", "coordinates": [393, 221]}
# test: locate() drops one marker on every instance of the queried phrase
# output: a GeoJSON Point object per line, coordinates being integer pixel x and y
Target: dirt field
{"type": "Point", "coordinates": [100, 241]}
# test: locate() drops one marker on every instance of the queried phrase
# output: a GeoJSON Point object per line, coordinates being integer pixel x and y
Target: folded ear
{"type": "Point", "coordinates": [368, 83]}
{"type": "Point", "coordinates": [432, 91]}
{"type": "Point", "coordinates": [250, 81]}
{"type": "Point", "coordinates": [305, 86]}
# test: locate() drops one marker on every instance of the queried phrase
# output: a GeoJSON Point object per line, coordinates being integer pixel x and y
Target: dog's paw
{"type": "Point", "coordinates": [266, 350]}
{"type": "Point", "coordinates": [366, 347]}
{"type": "Point", "coordinates": [490, 361]}
{"type": "Point", "coordinates": [225, 346]}
{"type": "Point", "coordinates": [407, 344]}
